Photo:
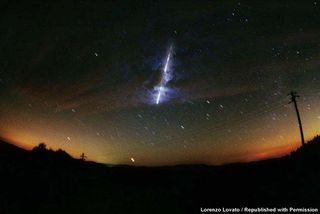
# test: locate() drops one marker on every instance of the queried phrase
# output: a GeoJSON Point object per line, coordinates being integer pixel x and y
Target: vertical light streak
{"type": "Point", "coordinates": [159, 94]}
{"type": "Point", "coordinates": [163, 77]}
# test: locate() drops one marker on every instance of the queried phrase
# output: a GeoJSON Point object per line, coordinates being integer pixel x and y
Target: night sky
{"type": "Point", "coordinates": [84, 76]}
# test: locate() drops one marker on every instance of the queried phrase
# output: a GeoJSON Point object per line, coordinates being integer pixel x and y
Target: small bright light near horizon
{"type": "Point", "coordinates": [132, 160]}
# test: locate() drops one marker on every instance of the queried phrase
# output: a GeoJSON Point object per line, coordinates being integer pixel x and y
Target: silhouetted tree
{"type": "Point", "coordinates": [41, 147]}
{"type": "Point", "coordinates": [83, 157]}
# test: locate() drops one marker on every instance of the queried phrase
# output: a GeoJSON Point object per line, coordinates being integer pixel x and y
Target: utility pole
{"type": "Point", "coordinates": [294, 95]}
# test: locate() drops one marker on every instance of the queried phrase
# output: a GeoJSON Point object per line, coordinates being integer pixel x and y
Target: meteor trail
{"type": "Point", "coordinates": [159, 95]}
{"type": "Point", "coordinates": [164, 77]}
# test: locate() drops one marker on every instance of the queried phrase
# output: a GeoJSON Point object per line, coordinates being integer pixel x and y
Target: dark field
{"type": "Point", "coordinates": [45, 181]}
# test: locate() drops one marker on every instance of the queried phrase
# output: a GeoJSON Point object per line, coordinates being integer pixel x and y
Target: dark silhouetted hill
{"type": "Point", "coordinates": [47, 181]}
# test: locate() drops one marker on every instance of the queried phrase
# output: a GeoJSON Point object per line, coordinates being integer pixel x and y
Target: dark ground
{"type": "Point", "coordinates": [45, 181]}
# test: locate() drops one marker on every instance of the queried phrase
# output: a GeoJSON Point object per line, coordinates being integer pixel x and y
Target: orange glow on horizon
{"type": "Point", "coordinates": [29, 142]}
{"type": "Point", "coordinates": [251, 151]}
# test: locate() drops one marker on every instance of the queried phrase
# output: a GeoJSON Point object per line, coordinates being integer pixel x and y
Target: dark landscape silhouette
{"type": "Point", "coordinates": [47, 181]}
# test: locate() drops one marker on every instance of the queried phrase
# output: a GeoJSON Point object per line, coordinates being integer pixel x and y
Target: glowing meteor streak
{"type": "Point", "coordinates": [164, 78]}
{"type": "Point", "coordinates": [159, 94]}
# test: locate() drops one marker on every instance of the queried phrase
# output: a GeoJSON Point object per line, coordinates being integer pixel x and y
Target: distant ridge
{"type": "Point", "coordinates": [47, 181]}
{"type": "Point", "coordinates": [12, 152]}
